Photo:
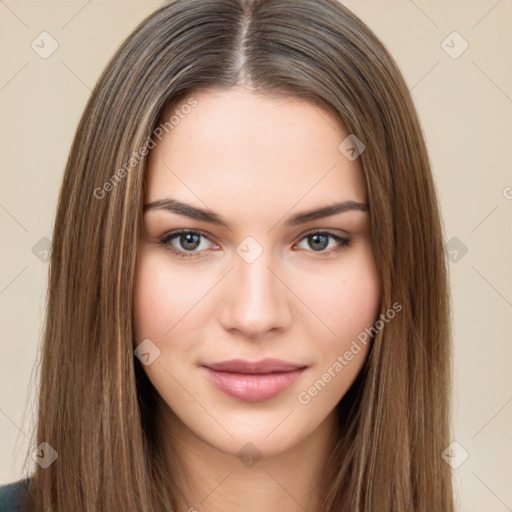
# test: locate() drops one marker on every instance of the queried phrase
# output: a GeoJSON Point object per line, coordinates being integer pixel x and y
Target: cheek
{"type": "Point", "coordinates": [358, 301]}
{"type": "Point", "coordinates": [148, 301]}
{"type": "Point", "coordinates": [348, 305]}
{"type": "Point", "coordinates": [346, 298]}
{"type": "Point", "coordinates": [161, 296]}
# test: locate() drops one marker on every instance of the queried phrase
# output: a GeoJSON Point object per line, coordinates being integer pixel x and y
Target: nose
{"type": "Point", "coordinates": [255, 299]}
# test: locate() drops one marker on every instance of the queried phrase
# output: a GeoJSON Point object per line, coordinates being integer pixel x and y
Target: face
{"type": "Point", "coordinates": [230, 268]}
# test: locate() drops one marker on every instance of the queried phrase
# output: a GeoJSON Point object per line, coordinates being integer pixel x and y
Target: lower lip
{"type": "Point", "coordinates": [254, 387]}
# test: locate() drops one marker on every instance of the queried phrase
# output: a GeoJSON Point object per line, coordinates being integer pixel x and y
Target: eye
{"type": "Point", "coordinates": [189, 243]}
{"type": "Point", "coordinates": [319, 241]}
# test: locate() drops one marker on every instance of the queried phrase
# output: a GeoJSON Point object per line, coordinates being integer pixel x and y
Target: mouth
{"type": "Point", "coordinates": [253, 381]}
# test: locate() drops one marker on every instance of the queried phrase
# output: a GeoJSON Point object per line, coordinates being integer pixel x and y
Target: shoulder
{"type": "Point", "coordinates": [11, 495]}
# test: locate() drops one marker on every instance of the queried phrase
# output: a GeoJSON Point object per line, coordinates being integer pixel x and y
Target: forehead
{"type": "Point", "coordinates": [266, 152]}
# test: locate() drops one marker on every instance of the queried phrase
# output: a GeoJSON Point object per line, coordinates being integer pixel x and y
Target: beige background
{"type": "Point", "coordinates": [465, 105]}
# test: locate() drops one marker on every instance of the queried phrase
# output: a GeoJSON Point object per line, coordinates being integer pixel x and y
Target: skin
{"type": "Point", "coordinates": [254, 160]}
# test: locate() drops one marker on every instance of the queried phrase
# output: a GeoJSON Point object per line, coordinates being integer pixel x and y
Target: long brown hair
{"type": "Point", "coordinates": [96, 406]}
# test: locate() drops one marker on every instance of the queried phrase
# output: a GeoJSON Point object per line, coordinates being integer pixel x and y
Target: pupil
{"type": "Point", "coordinates": [188, 239]}
{"type": "Point", "coordinates": [323, 241]}
{"type": "Point", "coordinates": [320, 242]}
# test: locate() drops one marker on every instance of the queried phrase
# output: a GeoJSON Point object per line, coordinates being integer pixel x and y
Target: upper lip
{"type": "Point", "coordinates": [267, 365]}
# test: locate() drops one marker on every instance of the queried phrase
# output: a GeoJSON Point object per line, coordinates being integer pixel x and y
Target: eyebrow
{"type": "Point", "coordinates": [175, 206]}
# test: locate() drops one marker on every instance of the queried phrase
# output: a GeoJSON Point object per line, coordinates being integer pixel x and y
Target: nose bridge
{"type": "Point", "coordinates": [257, 300]}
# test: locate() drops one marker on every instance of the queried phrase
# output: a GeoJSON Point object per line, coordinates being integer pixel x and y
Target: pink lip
{"type": "Point", "coordinates": [253, 381]}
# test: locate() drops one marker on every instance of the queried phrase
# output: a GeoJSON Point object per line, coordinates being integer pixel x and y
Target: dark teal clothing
{"type": "Point", "coordinates": [11, 495]}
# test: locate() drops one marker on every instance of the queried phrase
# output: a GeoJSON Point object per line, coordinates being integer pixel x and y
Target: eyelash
{"type": "Point", "coordinates": [343, 242]}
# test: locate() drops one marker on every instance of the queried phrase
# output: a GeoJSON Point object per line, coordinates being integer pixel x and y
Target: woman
{"type": "Point", "coordinates": [248, 301]}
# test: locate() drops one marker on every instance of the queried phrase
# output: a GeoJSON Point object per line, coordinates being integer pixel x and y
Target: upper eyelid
{"type": "Point", "coordinates": [173, 234]}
